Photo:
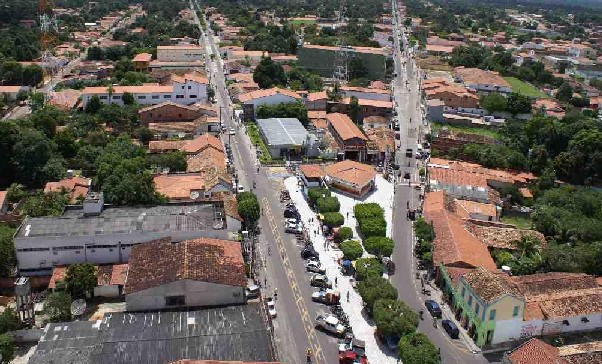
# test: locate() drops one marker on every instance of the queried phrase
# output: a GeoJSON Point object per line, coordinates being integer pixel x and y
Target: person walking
{"type": "Point", "coordinates": [336, 280]}
{"type": "Point", "coordinates": [308, 355]}
{"type": "Point", "coordinates": [347, 296]}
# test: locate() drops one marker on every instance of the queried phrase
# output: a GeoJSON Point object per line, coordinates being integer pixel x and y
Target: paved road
{"type": "Point", "coordinates": [283, 269]}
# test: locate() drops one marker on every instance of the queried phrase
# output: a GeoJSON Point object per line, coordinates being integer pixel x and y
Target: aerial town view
{"type": "Point", "coordinates": [300, 181]}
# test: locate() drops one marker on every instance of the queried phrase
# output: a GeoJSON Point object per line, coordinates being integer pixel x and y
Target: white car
{"type": "Point", "coordinates": [232, 131]}
{"type": "Point", "coordinates": [330, 323]}
{"type": "Point", "coordinates": [315, 267]}
{"type": "Point", "coordinates": [271, 307]}
{"type": "Point", "coordinates": [240, 189]}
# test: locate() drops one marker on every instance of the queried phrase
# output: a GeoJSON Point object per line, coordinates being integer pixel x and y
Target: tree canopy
{"type": "Point", "coordinates": [352, 249]}
{"type": "Point", "coordinates": [374, 288]}
{"type": "Point", "coordinates": [416, 348]}
{"type": "Point", "coordinates": [81, 279]}
{"type": "Point", "coordinates": [268, 74]}
{"type": "Point", "coordinates": [394, 317]}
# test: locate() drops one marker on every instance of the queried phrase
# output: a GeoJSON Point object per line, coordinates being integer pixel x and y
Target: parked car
{"type": "Point", "coordinates": [252, 291]}
{"type": "Point", "coordinates": [330, 323]}
{"type": "Point", "coordinates": [291, 220]}
{"type": "Point", "coordinates": [290, 213]}
{"type": "Point", "coordinates": [293, 229]}
{"type": "Point", "coordinates": [313, 260]}
{"type": "Point", "coordinates": [320, 280]}
{"type": "Point", "coordinates": [271, 307]}
{"type": "Point", "coordinates": [327, 296]}
{"type": "Point", "coordinates": [240, 189]}
{"type": "Point", "coordinates": [232, 131]}
{"type": "Point", "coordinates": [433, 308]}
{"type": "Point", "coordinates": [450, 327]}
{"type": "Point", "coordinates": [309, 252]}
{"type": "Point", "coordinates": [315, 267]}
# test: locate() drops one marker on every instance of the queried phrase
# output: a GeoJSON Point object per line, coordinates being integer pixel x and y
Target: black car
{"type": "Point", "coordinates": [291, 214]}
{"type": "Point", "coordinates": [450, 328]}
{"type": "Point", "coordinates": [433, 308]}
{"type": "Point", "coordinates": [309, 252]}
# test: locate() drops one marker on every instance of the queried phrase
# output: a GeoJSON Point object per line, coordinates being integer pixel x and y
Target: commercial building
{"type": "Point", "coordinates": [192, 273]}
{"type": "Point", "coordinates": [349, 138]}
{"type": "Point", "coordinates": [180, 53]}
{"type": "Point", "coordinates": [95, 234]}
{"type": "Point", "coordinates": [231, 334]}
{"type": "Point", "coordinates": [354, 178]}
{"type": "Point", "coordinates": [284, 136]}
{"type": "Point", "coordinates": [184, 90]}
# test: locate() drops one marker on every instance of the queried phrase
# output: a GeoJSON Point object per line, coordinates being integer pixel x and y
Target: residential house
{"type": "Point", "coordinates": [169, 119]}
{"type": "Point", "coordinates": [210, 182]}
{"type": "Point", "coordinates": [142, 62]}
{"type": "Point", "coordinates": [111, 278]}
{"type": "Point", "coordinates": [482, 81]}
{"type": "Point", "coordinates": [273, 96]}
{"type": "Point", "coordinates": [349, 138]}
{"type": "Point", "coordinates": [316, 101]}
{"type": "Point", "coordinates": [3, 202]}
{"type": "Point", "coordinates": [10, 93]}
{"type": "Point", "coordinates": [205, 159]}
{"type": "Point", "coordinates": [192, 273]}
{"type": "Point", "coordinates": [75, 187]}
{"type": "Point", "coordinates": [190, 147]}
{"type": "Point", "coordinates": [66, 99]}
{"type": "Point", "coordinates": [539, 351]}
{"type": "Point", "coordinates": [312, 175]}
{"type": "Point", "coordinates": [446, 140]}
{"type": "Point", "coordinates": [381, 144]}
{"type": "Point", "coordinates": [581, 51]}
{"type": "Point", "coordinates": [184, 90]}
{"type": "Point", "coordinates": [455, 98]}
{"type": "Point", "coordinates": [366, 93]}
{"type": "Point", "coordinates": [351, 177]}
{"type": "Point", "coordinates": [376, 122]}
{"type": "Point", "coordinates": [548, 107]}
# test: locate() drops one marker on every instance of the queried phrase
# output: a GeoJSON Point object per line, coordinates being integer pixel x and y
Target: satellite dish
{"type": "Point", "coordinates": [194, 195]}
{"type": "Point", "coordinates": [78, 307]}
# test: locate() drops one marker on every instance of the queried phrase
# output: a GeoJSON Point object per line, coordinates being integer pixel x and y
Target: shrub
{"type": "Point", "coordinates": [379, 245]}
{"type": "Point", "coordinates": [368, 267]}
{"type": "Point", "coordinates": [352, 249]}
{"type": "Point", "coordinates": [416, 348]}
{"type": "Point", "coordinates": [373, 227]}
{"type": "Point", "coordinates": [314, 193]}
{"type": "Point", "coordinates": [394, 317]}
{"type": "Point", "coordinates": [367, 210]}
{"type": "Point", "coordinates": [333, 219]}
{"type": "Point", "coordinates": [375, 288]}
{"type": "Point", "coordinates": [328, 204]}
{"type": "Point", "coordinates": [345, 233]}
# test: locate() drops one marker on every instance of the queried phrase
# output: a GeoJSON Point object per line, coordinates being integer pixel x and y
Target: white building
{"type": "Point", "coordinates": [184, 90]}
{"type": "Point", "coordinates": [193, 273]}
{"type": "Point", "coordinates": [482, 81]}
{"type": "Point", "coordinates": [106, 236]}
{"type": "Point", "coordinates": [11, 92]}
{"type": "Point", "coordinates": [273, 96]}
{"type": "Point", "coordinates": [180, 53]}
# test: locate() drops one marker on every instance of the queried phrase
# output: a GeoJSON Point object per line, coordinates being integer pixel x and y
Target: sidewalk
{"type": "Point", "coordinates": [362, 329]}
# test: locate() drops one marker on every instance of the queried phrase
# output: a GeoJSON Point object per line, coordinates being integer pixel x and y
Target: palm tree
{"type": "Point", "coordinates": [528, 245]}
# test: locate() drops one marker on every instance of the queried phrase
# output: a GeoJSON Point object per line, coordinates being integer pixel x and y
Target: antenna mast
{"type": "Point", "coordinates": [340, 73]}
{"type": "Point", "coordinates": [48, 32]}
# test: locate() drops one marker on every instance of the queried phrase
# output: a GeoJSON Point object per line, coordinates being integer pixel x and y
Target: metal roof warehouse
{"type": "Point", "coordinates": [282, 134]}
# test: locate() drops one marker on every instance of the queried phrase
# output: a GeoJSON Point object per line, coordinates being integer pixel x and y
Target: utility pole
{"type": "Point", "coordinates": [48, 34]}
{"type": "Point", "coordinates": [340, 72]}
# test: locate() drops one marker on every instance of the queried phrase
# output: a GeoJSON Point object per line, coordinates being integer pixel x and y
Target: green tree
{"type": "Point", "coordinates": [394, 317]}
{"type": "Point", "coordinates": [518, 104]}
{"type": "Point", "coordinates": [373, 227]}
{"type": "Point", "coordinates": [356, 68]}
{"type": "Point", "coordinates": [379, 245]}
{"type": "Point", "coordinates": [128, 99]}
{"type": "Point", "coordinates": [368, 267]}
{"type": "Point", "coordinates": [416, 348]}
{"type": "Point", "coordinates": [269, 74]}
{"type": "Point", "coordinates": [31, 153]}
{"type": "Point", "coordinates": [493, 102]}
{"type": "Point", "coordinates": [352, 249]}
{"type": "Point", "coordinates": [7, 348]}
{"type": "Point", "coordinates": [375, 288]}
{"type": "Point", "coordinates": [333, 219]}
{"type": "Point", "coordinates": [94, 105]}
{"type": "Point", "coordinates": [210, 93]}
{"type": "Point", "coordinates": [284, 110]}
{"type": "Point", "coordinates": [175, 161]}
{"type": "Point", "coordinates": [354, 109]}
{"type": "Point", "coordinates": [95, 54]}
{"type": "Point", "coordinates": [9, 321]}
{"type": "Point", "coordinates": [58, 307]}
{"type": "Point", "coordinates": [7, 251]}
{"type": "Point", "coordinates": [565, 92]}
{"type": "Point", "coordinates": [32, 75]}
{"type": "Point", "coordinates": [248, 208]}
{"type": "Point", "coordinates": [328, 204]}
{"type": "Point", "coordinates": [144, 134]}
{"type": "Point", "coordinates": [15, 193]}
{"type": "Point", "coordinates": [44, 204]}
{"type": "Point", "coordinates": [314, 193]}
{"type": "Point", "coordinates": [345, 233]}
{"type": "Point", "coordinates": [81, 279]}
{"type": "Point", "coordinates": [65, 143]}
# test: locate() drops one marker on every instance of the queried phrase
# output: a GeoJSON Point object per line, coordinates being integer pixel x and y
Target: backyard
{"type": "Point", "coordinates": [492, 133]}
{"type": "Point", "coordinates": [253, 134]}
{"type": "Point", "coordinates": [524, 89]}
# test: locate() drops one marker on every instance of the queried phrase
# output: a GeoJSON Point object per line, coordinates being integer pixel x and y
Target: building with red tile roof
{"type": "Point", "coordinates": [192, 273]}
{"type": "Point", "coordinates": [111, 278]}
{"type": "Point", "coordinates": [207, 183]}
{"type": "Point", "coordinates": [75, 187]}
{"type": "Point", "coordinates": [534, 351]}
{"type": "Point", "coordinates": [349, 138]}
{"type": "Point", "coordinates": [351, 177]}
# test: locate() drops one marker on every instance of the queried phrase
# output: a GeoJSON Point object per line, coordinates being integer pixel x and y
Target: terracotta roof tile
{"type": "Point", "coordinates": [159, 146]}
{"type": "Point", "coordinates": [463, 208]}
{"type": "Point", "coordinates": [535, 351]}
{"type": "Point", "coordinates": [74, 186]}
{"type": "Point", "coordinates": [157, 263]}
{"type": "Point", "coordinates": [265, 93]}
{"type": "Point", "coordinates": [312, 170]}
{"type": "Point", "coordinates": [201, 142]}
{"type": "Point", "coordinates": [167, 103]}
{"type": "Point", "coordinates": [231, 207]}
{"type": "Point", "coordinates": [381, 139]}
{"type": "Point", "coordinates": [180, 185]}
{"type": "Point", "coordinates": [488, 285]}
{"type": "Point", "coordinates": [107, 274]}
{"type": "Point", "coordinates": [353, 172]}
{"type": "Point", "coordinates": [118, 90]}
{"type": "Point", "coordinates": [344, 127]}
{"type": "Point", "coordinates": [481, 77]}
{"type": "Point", "coordinates": [314, 96]}
{"type": "Point", "coordinates": [453, 245]}
{"type": "Point", "coordinates": [2, 198]}
{"type": "Point", "coordinates": [501, 236]}
{"type": "Point", "coordinates": [373, 103]}
{"type": "Point", "coordinates": [206, 158]}
{"type": "Point", "coordinates": [187, 361]}
{"type": "Point", "coordinates": [143, 57]}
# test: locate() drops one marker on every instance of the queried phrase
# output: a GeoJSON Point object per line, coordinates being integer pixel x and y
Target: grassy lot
{"type": "Point", "coordinates": [304, 22]}
{"type": "Point", "coordinates": [520, 222]}
{"type": "Point", "coordinates": [523, 88]}
{"type": "Point", "coordinates": [253, 134]}
{"type": "Point", "coordinates": [492, 133]}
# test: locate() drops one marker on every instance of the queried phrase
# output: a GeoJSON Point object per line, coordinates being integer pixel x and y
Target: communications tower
{"type": "Point", "coordinates": [340, 73]}
{"type": "Point", "coordinates": [48, 35]}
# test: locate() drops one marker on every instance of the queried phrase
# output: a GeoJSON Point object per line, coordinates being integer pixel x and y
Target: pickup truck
{"type": "Point", "coordinates": [327, 297]}
{"type": "Point", "coordinates": [331, 324]}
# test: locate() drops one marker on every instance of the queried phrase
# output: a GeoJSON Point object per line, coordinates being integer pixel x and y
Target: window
{"type": "Point", "coordinates": [469, 301]}
{"type": "Point", "coordinates": [463, 291]}
{"type": "Point", "coordinates": [190, 87]}
{"type": "Point", "coordinates": [182, 87]}
{"type": "Point", "coordinates": [175, 301]}
{"type": "Point", "coordinates": [477, 308]}
{"type": "Point", "coordinates": [116, 97]}
{"type": "Point", "coordinates": [33, 249]}
{"type": "Point", "coordinates": [103, 97]}
{"type": "Point", "coordinates": [179, 96]}
{"type": "Point", "coordinates": [167, 96]}
{"type": "Point", "coordinates": [154, 97]}
{"type": "Point", "coordinates": [141, 97]}
{"type": "Point", "coordinates": [492, 315]}
{"type": "Point", "coordinates": [515, 312]}
{"type": "Point", "coordinates": [193, 96]}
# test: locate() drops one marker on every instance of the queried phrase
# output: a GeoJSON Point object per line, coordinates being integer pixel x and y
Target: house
{"type": "Point", "coordinates": [351, 177]}
{"type": "Point", "coordinates": [207, 183]}
{"type": "Point", "coordinates": [75, 187]}
{"type": "Point", "coordinates": [581, 50]}
{"type": "Point", "coordinates": [160, 337]}
{"type": "Point", "coordinates": [111, 278]}
{"type": "Point", "coordinates": [284, 137]}
{"type": "Point", "coordinates": [312, 175]}
{"type": "Point", "coordinates": [142, 62]}
{"type": "Point", "coordinates": [366, 93]}
{"type": "Point", "coordinates": [482, 81]}
{"type": "Point", "coordinates": [10, 93]}
{"type": "Point", "coordinates": [66, 99]}
{"type": "Point", "coordinates": [190, 147]}
{"type": "Point", "coordinates": [369, 107]}
{"type": "Point", "coordinates": [192, 273]}
{"type": "Point", "coordinates": [375, 122]}
{"type": "Point", "coordinates": [252, 100]}
{"type": "Point", "coordinates": [169, 119]}
{"type": "Point", "coordinates": [381, 143]}
{"type": "Point", "coordinates": [349, 138]}
{"type": "Point", "coordinates": [453, 246]}
{"type": "Point", "coordinates": [206, 158]}
{"type": "Point", "coordinates": [185, 90]}
{"type": "Point", "coordinates": [548, 107]}
{"type": "Point", "coordinates": [446, 140]}
{"type": "Point", "coordinates": [455, 98]}
{"type": "Point", "coordinates": [438, 50]}
{"type": "Point", "coordinates": [180, 53]}
{"type": "Point", "coordinates": [538, 351]}
{"type": "Point", "coordinates": [316, 101]}
{"type": "Point", "coordinates": [94, 234]}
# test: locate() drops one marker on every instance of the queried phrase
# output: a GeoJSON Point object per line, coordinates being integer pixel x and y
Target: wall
{"type": "Point", "coordinates": [196, 294]}
{"type": "Point", "coordinates": [322, 62]}
{"type": "Point", "coordinates": [180, 55]}
{"type": "Point", "coordinates": [169, 113]}
{"type": "Point", "coordinates": [367, 95]}
{"type": "Point", "coordinates": [107, 290]}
